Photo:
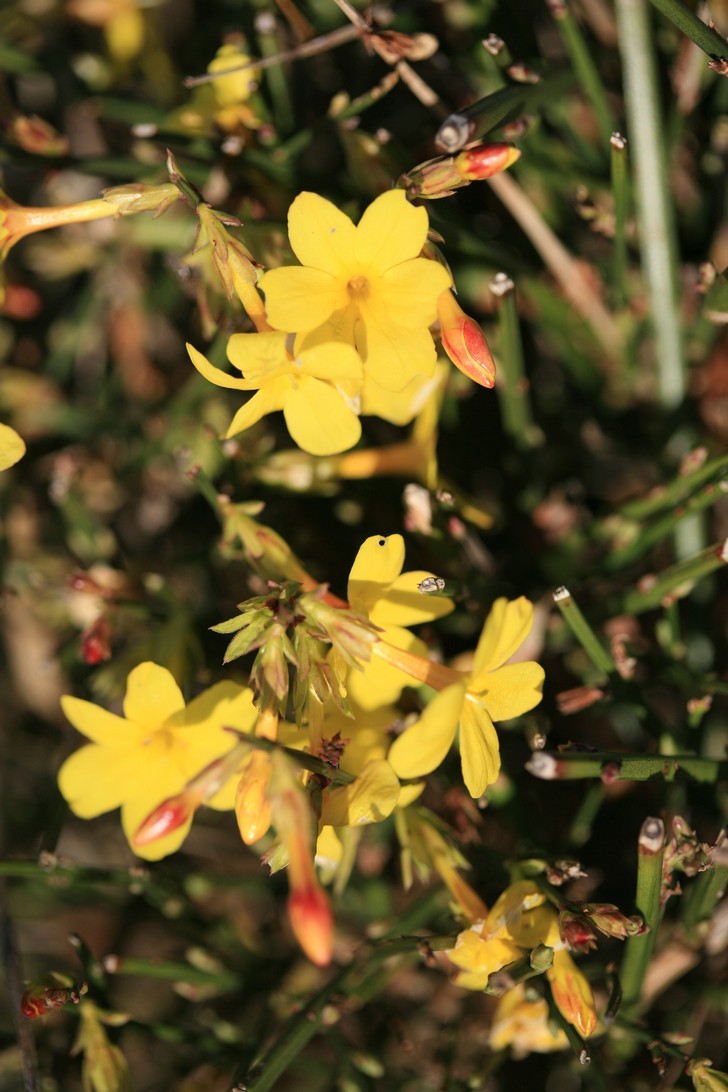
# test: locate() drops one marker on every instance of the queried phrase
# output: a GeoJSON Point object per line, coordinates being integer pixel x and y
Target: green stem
{"type": "Point", "coordinates": [676, 581]}
{"type": "Point", "coordinates": [707, 890]}
{"type": "Point", "coordinates": [170, 972]}
{"type": "Point", "coordinates": [305, 1024]}
{"type": "Point", "coordinates": [705, 37]}
{"type": "Point", "coordinates": [512, 386]}
{"type": "Point", "coordinates": [682, 486]}
{"type": "Point", "coordinates": [661, 528]}
{"type": "Point", "coordinates": [613, 766]}
{"type": "Point", "coordinates": [620, 196]}
{"type": "Point", "coordinates": [654, 207]}
{"type": "Point", "coordinates": [583, 632]}
{"type": "Point", "coordinates": [586, 70]}
{"type": "Point", "coordinates": [639, 949]}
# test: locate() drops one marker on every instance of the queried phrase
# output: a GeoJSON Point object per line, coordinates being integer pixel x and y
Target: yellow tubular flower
{"type": "Point", "coordinates": [379, 590]}
{"type": "Point", "coordinates": [364, 285]}
{"type": "Point", "coordinates": [491, 692]}
{"type": "Point", "coordinates": [150, 754]}
{"type": "Point", "coordinates": [315, 389]}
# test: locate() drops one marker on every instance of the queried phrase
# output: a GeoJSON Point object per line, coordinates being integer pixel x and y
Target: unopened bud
{"type": "Point", "coordinates": [442, 176]}
{"type": "Point", "coordinates": [309, 912]}
{"type": "Point", "coordinates": [485, 160]}
{"type": "Point", "coordinates": [575, 932]}
{"type": "Point", "coordinates": [40, 998]}
{"type": "Point", "coordinates": [464, 342]}
{"type": "Point", "coordinates": [137, 197]}
{"type": "Point", "coordinates": [349, 633]}
{"type": "Point", "coordinates": [252, 807]}
{"type": "Point", "coordinates": [610, 920]}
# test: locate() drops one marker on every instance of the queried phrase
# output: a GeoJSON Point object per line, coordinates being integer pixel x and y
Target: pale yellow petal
{"type": "Point", "coordinates": [333, 361]}
{"type": "Point", "coordinates": [379, 683]}
{"type": "Point", "coordinates": [399, 407]}
{"type": "Point", "coordinates": [259, 356]}
{"type": "Point", "coordinates": [371, 798]}
{"type": "Point", "coordinates": [409, 793]}
{"type": "Point", "coordinates": [390, 231]}
{"type": "Point", "coordinates": [421, 748]}
{"type": "Point", "coordinates": [216, 375]}
{"type": "Point", "coordinates": [319, 419]}
{"type": "Point", "coordinates": [98, 724]}
{"type": "Point", "coordinates": [409, 292]}
{"type": "Point", "coordinates": [270, 399]}
{"type": "Point", "coordinates": [321, 235]}
{"type": "Point", "coordinates": [152, 696]}
{"type": "Point", "coordinates": [479, 749]}
{"type": "Point", "coordinates": [12, 447]}
{"type": "Point", "coordinates": [505, 630]}
{"type": "Point", "coordinates": [377, 564]}
{"type": "Point", "coordinates": [394, 355]}
{"type": "Point", "coordinates": [402, 604]}
{"type": "Point", "coordinates": [298, 298]}
{"type": "Point", "coordinates": [95, 780]}
{"type": "Point", "coordinates": [511, 690]}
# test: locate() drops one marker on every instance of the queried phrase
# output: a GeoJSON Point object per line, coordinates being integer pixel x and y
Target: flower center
{"type": "Point", "coordinates": [358, 288]}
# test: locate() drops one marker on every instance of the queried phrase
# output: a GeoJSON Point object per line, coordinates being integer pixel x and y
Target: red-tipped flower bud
{"type": "Point", "coordinates": [464, 341]}
{"type": "Point", "coordinates": [485, 160]}
{"type": "Point", "coordinates": [309, 913]}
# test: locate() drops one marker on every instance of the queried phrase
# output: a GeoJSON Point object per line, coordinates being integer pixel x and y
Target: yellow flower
{"type": "Point", "coordinates": [12, 447]}
{"type": "Point", "coordinates": [523, 1025]}
{"type": "Point", "coordinates": [572, 993]}
{"type": "Point", "coordinates": [366, 286]}
{"type": "Point", "coordinates": [491, 692]}
{"type": "Point", "coordinates": [137, 761]}
{"type": "Point", "coordinates": [315, 389]}
{"type": "Point", "coordinates": [389, 598]}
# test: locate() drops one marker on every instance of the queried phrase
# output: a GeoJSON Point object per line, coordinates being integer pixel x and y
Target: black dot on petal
{"type": "Point", "coordinates": [382, 542]}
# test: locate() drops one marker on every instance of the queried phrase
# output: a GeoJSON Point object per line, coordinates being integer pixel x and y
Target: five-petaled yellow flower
{"type": "Point", "coordinates": [137, 761]}
{"type": "Point", "coordinates": [491, 692]}
{"type": "Point", "coordinates": [364, 285]}
{"type": "Point", "coordinates": [317, 389]}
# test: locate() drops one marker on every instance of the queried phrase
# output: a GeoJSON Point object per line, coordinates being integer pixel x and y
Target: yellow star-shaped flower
{"type": "Point", "coordinates": [363, 285]}
{"type": "Point", "coordinates": [137, 761]}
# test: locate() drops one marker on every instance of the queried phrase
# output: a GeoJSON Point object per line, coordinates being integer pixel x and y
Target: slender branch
{"type": "Point", "coordinates": [613, 766]}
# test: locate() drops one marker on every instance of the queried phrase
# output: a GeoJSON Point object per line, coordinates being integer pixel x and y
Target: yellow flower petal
{"type": "Point", "coordinates": [318, 418]}
{"type": "Point", "coordinates": [482, 954]}
{"type": "Point", "coordinates": [377, 564]}
{"type": "Point", "coordinates": [301, 298]}
{"type": "Point", "coordinates": [399, 407]}
{"type": "Point", "coordinates": [94, 780]}
{"type": "Point", "coordinates": [410, 292]}
{"type": "Point", "coordinates": [511, 690]}
{"type": "Point", "coordinates": [321, 235]}
{"type": "Point", "coordinates": [505, 630]}
{"type": "Point", "coordinates": [269, 399]}
{"type": "Point", "coordinates": [409, 793]}
{"type": "Point", "coordinates": [379, 683]}
{"type": "Point", "coordinates": [390, 231]}
{"type": "Point", "coordinates": [332, 361]}
{"type": "Point", "coordinates": [395, 355]}
{"type": "Point", "coordinates": [99, 725]}
{"type": "Point", "coordinates": [152, 696]}
{"type": "Point", "coordinates": [12, 447]}
{"type": "Point", "coordinates": [403, 605]}
{"type": "Point", "coordinates": [216, 375]}
{"type": "Point", "coordinates": [421, 748]}
{"type": "Point", "coordinates": [259, 356]}
{"type": "Point", "coordinates": [371, 798]}
{"type": "Point", "coordinates": [479, 749]}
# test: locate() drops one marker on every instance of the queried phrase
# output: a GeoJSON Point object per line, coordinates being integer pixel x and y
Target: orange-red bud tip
{"type": "Point", "coordinates": [309, 912]}
{"type": "Point", "coordinates": [464, 342]}
{"type": "Point", "coordinates": [486, 160]}
{"type": "Point", "coordinates": [169, 816]}
{"type": "Point", "coordinates": [38, 1001]}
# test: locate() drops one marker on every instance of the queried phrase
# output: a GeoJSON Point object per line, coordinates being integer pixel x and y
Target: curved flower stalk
{"type": "Point", "coordinates": [391, 600]}
{"type": "Point", "coordinates": [315, 389]}
{"type": "Point", "coordinates": [493, 690]}
{"type": "Point", "coordinates": [365, 286]}
{"type": "Point", "coordinates": [149, 755]}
